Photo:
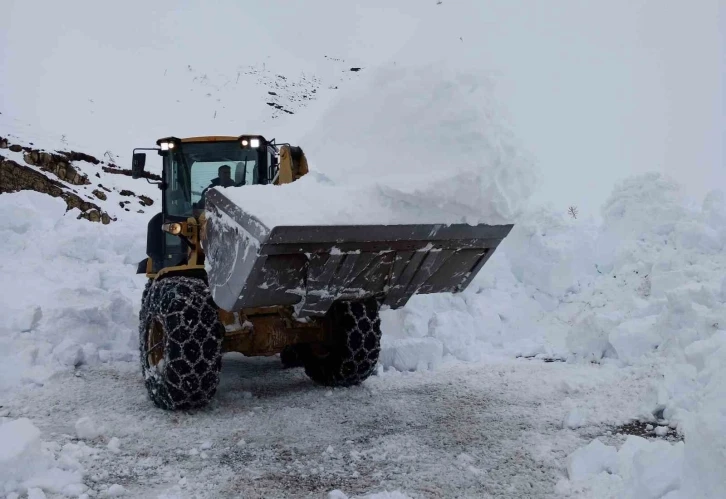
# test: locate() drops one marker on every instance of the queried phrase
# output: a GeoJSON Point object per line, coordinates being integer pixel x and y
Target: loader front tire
{"type": "Point", "coordinates": [351, 354]}
{"type": "Point", "coordinates": [180, 342]}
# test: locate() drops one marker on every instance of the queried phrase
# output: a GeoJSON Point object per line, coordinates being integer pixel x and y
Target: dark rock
{"type": "Point", "coordinates": [55, 164]}
{"type": "Point", "coordinates": [126, 192]}
{"type": "Point", "coordinates": [16, 148]}
{"type": "Point", "coordinates": [100, 195]}
{"type": "Point", "coordinates": [79, 156]}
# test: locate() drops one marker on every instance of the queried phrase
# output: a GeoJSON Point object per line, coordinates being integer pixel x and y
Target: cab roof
{"type": "Point", "coordinates": [214, 138]}
{"type": "Point", "coordinates": [211, 138]}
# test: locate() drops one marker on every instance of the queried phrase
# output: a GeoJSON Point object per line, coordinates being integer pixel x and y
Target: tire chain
{"type": "Point", "coordinates": [193, 335]}
{"type": "Point", "coordinates": [353, 358]}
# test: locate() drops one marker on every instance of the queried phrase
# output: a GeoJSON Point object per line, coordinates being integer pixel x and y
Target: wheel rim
{"type": "Point", "coordinates": [155, 344]}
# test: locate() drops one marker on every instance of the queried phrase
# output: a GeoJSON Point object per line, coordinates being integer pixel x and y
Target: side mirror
{"type": "Point", "coordinates": [137, 164]}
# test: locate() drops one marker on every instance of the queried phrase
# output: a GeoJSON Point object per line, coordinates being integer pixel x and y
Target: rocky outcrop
{"type": "Point", "coordinates": [58, 165]}
{"type": "Point", "coordinates": [45, 167]}
{"type": "Point", "coordinates": [16, 177]}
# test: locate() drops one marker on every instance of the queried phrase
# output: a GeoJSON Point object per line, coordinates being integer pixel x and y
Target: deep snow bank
{"type": "Point", "coordinates": [406, 144]}
{"type": "Point", "coordinates": [69, 295]}
{"type": "Point", "coordinates": [648, 287]}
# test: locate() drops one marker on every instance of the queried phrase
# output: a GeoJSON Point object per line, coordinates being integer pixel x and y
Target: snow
{"type": "Point", "coordinates": [661, 431]}
{"type": "Point", "coordinates": [639, 469]}
{"type": "Point", "coordinates": [64, 276]}
{"type": "Point", "coordinates": [642, 294]}
{"type": "Point", "coordinates": [17, 437]}
{"type": "Point", "coordinates": [35, 493]}
{"type": "Point", "coordinates": [630, 306]}
{"type": "Point", "coordinates": [412, 354]}
{"type": "Point", "coordinates": [86, 428]}
{"type": "Point", "coordinates": [29, 464]}
{"type": "Point", "coordinates": [576, 418]}
{"type": "Point", "coordinates": [461, 165]}
{"type": "Point", "coordinates": [592, 459]}
{"type": "Point", "coordinates": [642, 289]}
{"type": "Point", "coordinates": [114, 445]}
{"type": "Point", "coordinates": [116, 490]}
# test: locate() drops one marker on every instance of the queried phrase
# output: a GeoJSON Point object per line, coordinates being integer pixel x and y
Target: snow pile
{"type": "Point", "coordinates": [647, 287]}
{"type": "Point", "coordinates": [640, 469]}
{"type": "Point", "coordinates": [86, 428]}
{"type": "Point", "coordinates": [29, 465]}
{"type": "Point", "coordinates": [426, 146]}
{"type": "Point", "coordinates": [69, 294]}
{"type": "Point", "coordinates": [591, 460]}
{"type": "Point", "coordinates": [648, 281]}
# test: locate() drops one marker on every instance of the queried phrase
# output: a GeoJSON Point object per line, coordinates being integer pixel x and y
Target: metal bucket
{"type": "Point", "coordinates": [309, 267]}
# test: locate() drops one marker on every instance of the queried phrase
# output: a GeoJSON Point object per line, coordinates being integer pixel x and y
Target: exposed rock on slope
{"type": "Point", "coordinates": [58, 174]}
{"type": "Point", "coordinates": [16, 177]}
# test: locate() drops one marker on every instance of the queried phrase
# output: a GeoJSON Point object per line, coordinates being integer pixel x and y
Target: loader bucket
{"type": "Point", "coordinates": [309, 267]}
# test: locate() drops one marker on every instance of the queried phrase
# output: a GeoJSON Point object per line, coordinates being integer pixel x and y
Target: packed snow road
{"type": "Point", "coordinates": [491, 430]}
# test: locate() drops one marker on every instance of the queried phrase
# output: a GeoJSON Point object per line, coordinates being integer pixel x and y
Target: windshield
{"type": "Point", "coordinates": [193, 168]}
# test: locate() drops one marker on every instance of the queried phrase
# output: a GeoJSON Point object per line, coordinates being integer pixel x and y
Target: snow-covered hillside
{"type": "Point", "coordinates": [587, 359]}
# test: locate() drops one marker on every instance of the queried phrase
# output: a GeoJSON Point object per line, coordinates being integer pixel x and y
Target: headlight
{"type": "Point", "coordinates": [174, 228]}
{"type": "Point", "coordinates": [245, 142]}
{"type": "Point", "coordinates": [164, 146]}
{"type": "Point", "coordinates": [171, 145]}
{"type": "Point", "coordinates": [255, 143]}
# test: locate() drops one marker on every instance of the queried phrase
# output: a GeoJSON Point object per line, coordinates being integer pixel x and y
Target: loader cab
{"type": "Point", "coordinates": [194, 165]}
{"type": "Point", "coordinates": [191, 167]}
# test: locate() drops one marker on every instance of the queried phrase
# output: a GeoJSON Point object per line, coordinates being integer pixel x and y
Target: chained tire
{"type": "Point", "coordinates": [180, 343]}
{"type": "Point", "coordinates": [351, 354]}
{"type": "Point", "coordinates": [145, 301]}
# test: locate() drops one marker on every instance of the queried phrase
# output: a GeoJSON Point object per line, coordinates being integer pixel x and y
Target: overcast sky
{"type": "Point", "coordinates": [595, 90]}
{"type": "Point", "coordinates": [598, 90]}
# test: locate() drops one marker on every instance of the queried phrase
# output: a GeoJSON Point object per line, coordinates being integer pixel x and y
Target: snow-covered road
{"type": "Point", "coordinates": [491, 430]}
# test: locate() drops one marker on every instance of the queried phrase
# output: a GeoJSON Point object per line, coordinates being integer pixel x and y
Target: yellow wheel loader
{"type": "Point", "coordinates": [221, 281]}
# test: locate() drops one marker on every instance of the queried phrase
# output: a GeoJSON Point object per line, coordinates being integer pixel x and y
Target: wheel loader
{"type": "Point", "coordinates": [220, 280]}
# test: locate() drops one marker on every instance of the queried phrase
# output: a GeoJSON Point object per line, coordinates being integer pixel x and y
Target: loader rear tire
{"type": "Point", "coordinates": [293, 356]}
{"type": "Point", "coordinates": [351, 355]}
{"type": "Point", "coordinates": [180, 342]}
